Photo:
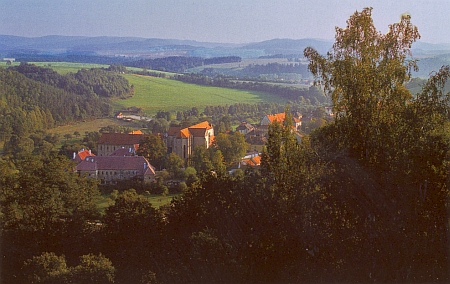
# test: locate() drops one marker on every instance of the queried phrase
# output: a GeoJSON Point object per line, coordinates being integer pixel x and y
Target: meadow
{"type": "Point", "coordinates": [153, 94]}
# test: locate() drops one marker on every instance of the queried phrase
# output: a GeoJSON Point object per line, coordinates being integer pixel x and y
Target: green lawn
{"type": "Point", "coordinates": [153, 94]}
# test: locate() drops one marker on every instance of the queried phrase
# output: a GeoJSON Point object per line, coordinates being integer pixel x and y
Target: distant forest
{"type": "Point", "coordinates": [34, 98]}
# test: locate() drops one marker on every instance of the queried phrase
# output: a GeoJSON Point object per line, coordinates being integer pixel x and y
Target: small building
{"type": "Point", "coordinates": [81, 155]}
{"type": "Point", "coordinates": [252, 161]}
{"type": "Point", "coordinates": [245, 128]}
{"type": "Point", "coordinates": [110, 169]}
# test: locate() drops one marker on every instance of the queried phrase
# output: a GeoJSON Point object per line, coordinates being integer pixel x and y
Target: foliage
{"type": "Point", "coordinates": [29, 105]}
{"type": "Point", "coordinates": [152, 147]}
{"type": "Point", "coordinates": [50, 268]}
{"type": "Point", "coordinates": [232, 147]}
{"type": "Point", "coordinates": [174, 163]}
{"type": "Point", "coordinates": [400, 138]}
{"type": "Point", "coordinates": [43, 200]}
{"type": "Point", "coordinates": [46, 268]}
{"type": "Point", "coordinates": [365, 75]}
{"type": "Point", "coordinates": [131, 234]}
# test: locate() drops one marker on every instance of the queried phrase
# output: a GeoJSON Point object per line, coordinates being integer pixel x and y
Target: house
{"type": "Point", "coordinates": [252, 161]}
{"type": "Point", "coordinates": [81, 155]}
{"type": "Point", "coordinates": [271, 118]}
{"type": "Point", "coordinates": [110, 142]}
{"type": "Point", "coordinates": [245, 128]}
{"type": "Point", "coordinates": [183, 141]}
{"type": "Point", "coordinates": [279, 117]}
{"type": "Point", "coordinates": [110, 169]}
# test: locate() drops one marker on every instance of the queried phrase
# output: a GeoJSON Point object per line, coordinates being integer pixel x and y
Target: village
{"type": "Point", "coordinates": [117, 156]}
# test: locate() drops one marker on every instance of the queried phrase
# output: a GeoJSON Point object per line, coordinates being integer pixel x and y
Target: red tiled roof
{"type": "Point", "coordinates": [204, 124]}
{"type": "Point", "coordinates": [197, 130]}
{"type": "Point", "coordinates": [137, 163]}
{"type": "Point", "coordinates": [120, 138]}
{"type": "Point", "coordinates": [82, 154]}
{"type": "Point", "coordinates": [136, 132]}
{"type": "Point", "coordinates": [253, 161]}
{"type": "Point", "coordinates": [279, 117]}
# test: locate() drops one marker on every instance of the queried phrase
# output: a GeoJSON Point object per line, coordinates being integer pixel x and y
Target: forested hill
{"type": "Point", "coordinates": [41, 98]}
{"type": "Point", "coordinates": [95, 81]}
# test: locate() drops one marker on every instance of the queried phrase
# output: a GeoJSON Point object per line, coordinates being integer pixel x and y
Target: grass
{"type": "Point", "coordinates": [154, 94]}
{"type": "Point", "coordinates": [156, 200]}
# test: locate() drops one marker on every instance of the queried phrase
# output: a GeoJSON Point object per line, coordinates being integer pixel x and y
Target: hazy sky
{"type": "Point", "coordinates": [230, 21]}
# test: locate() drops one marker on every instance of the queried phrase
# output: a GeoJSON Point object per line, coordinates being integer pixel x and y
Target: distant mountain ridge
{"type": "Point", "coordinates": [107, 45]}
{"type": "Point", "coordinates": [136, 46]}
{"type": "Point", "coordinates": [55, 48]}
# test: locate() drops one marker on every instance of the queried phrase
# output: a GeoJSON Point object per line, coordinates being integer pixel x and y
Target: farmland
{"type": "Point", "coordinates": [153, 94]}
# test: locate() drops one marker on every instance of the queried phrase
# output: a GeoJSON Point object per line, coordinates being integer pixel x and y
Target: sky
{"type": "Point", "coordinates": [224, 21]}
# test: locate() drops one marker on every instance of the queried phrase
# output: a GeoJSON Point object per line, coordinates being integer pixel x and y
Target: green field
{"type": "Point", "coordinates": [154, 94]}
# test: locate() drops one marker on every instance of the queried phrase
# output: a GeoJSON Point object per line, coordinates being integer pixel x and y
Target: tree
{"type": "Point", "coordinates": [152, 147]}
{"type": "Point", "coordinates": [174, 163]}
{"type": "Point", "coordinates": [233, 147]}
{"type": "Point", "coordinates": [364, 74]}
{"type": "Point", "coordinates": [402, 140]}
{"type": "Point", "coordinates": [50, 268]}
{"type": "Point", "coordinates": [132, 234]}
{"type": "Point", "coordinates": [46, 268]}
{"type": "Point", "coordinates": [93, 269]}
{"type": "Point", "coordinates": [201, 160]}
{"type": "Point", "coordinates": [42, 201]}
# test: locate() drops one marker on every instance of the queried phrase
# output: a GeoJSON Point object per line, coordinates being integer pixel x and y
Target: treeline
{"type": "Point", "coordinates": [313, 93]}
{"type": "Point", "coordinates": [178, 63]}
{"type": "Point", "coordinates": [255, 70]}
{"type": "Point", "coordinates": [70, 57]}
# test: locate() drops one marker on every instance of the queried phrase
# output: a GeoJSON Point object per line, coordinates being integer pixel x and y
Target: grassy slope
{"type": "Point", "coordinates": [153, 94]}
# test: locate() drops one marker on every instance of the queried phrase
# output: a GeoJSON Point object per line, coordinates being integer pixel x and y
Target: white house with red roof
{"type": "Point", "coordinates": [81, 155]}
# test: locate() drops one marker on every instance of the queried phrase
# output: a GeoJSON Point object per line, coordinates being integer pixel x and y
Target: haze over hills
{"type": "Point", "coordinates": [431, 56]}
